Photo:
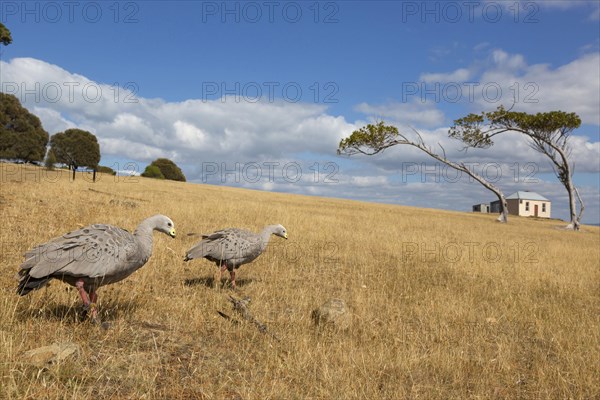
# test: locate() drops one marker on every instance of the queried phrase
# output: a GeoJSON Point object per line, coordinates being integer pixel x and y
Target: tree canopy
{"type": "Point", "coordinates": [106, 170]}
{"type": "Point", "coordinates": [76, 147]}
{"type": "Point", "coordinates": [21, 133]}
{"type": "Point", "coordinates": [477, 130]}
{"type": "Point", "coordinates": [152, 171]}
{"type": "Point", "coordinates": [167, 168]}
{"type": "Point", "coordinates": [369, 140]}
{"type": "Point", "coordinates": [5, 37]}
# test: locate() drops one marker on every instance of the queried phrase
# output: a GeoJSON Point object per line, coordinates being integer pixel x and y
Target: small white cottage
{"type": "Point", "coordinates": [522, 203]}
{"type": "Point", "coordinates": [528, 204]}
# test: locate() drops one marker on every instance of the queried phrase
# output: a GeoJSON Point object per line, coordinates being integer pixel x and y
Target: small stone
{"type": "Point", "coordinates": [334, 313]}
{"type": "Point", "coordinates": [56, 352]}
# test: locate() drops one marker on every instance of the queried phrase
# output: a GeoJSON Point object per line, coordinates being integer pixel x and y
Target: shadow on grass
{"type": "Point", "coordinates": [210, 282]}
{"type": "Point", "coordinates": [107, 311]}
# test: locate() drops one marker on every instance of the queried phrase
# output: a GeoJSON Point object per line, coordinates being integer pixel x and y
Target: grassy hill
{"type": "Point", "coordinates": [444, 304]}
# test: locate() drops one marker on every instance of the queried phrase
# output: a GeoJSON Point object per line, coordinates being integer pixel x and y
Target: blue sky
{"type": "Point", "coordinates": [230, 90]}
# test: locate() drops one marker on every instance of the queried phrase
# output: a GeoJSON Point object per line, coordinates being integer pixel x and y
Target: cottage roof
{"type": "Point", "coordinates": [524, 195]}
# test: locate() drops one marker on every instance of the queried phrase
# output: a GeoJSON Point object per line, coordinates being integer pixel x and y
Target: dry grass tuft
{"type": "Point", "coordinates": [444, 304]}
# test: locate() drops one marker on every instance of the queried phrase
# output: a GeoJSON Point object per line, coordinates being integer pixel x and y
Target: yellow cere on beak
{"type": "Point", "coordinates": [285, 235]}
{"type": "Point", "coordinates": [172, 232]}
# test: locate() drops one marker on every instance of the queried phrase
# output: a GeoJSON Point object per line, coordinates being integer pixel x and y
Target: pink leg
{"type": "Point", "coordinates": [84, 296]}
{"type": "Point", "coordinates": [86, 299]}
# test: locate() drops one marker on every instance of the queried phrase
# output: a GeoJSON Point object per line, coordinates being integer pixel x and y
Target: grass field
{"type": "Point", "coordinates": [445, 305]}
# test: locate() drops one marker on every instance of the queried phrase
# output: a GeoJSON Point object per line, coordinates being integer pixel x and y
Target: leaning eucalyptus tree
{"type": "Point", "coordinates": [548, 134]}
{"type": "Point", "coordinates": [373, 139]}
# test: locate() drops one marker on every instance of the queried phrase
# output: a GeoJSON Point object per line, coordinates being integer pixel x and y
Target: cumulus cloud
{"type": "Point", "coordinates": [461, 74]}
{"type": "Point", "coordinates": [137, 128]}
{"type": "Point", "coordinates": [505, 78]}
{"type": "Point", "coordinates": [499, 78]}
{"type": "Point", "coordinates": [573, 87]}
{"type": "Point", "coordinates": [413, 113]}
{"type": "Point", "coordinates": [365, 181]}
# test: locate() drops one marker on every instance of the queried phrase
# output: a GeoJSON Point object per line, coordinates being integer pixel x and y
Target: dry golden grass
{"type": "Point", "coordinates": [445, 305]}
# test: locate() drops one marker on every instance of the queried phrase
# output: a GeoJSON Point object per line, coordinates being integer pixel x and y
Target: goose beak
{"type": "Point", "coordinates": [172, 233]}
{"type": "Point", "coordinates": [285, 236]}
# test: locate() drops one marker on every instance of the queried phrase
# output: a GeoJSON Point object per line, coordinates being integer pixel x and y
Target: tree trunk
{"type": "Point", "coordinates": [74, 172]}
{"type": "Point", "coordinates": [94, 176]}
{"type": "Point", "coordinates": [574, 224]}
{"type": "Point", "coordinates": [563, 172]}
{"type": "Point", "coordinates": [581, 207]}
{"type": "Point", "coordinates": [503, 217]}
{"type": "Point", "coordinates": [566, 177]}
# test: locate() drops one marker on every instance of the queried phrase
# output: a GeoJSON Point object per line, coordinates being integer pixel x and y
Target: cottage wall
{"type": "Point", "coordinates": [527, 208]}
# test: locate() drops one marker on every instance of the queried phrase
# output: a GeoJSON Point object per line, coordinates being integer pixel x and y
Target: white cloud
{"type": "Point", "coordinates": [365, 181]}
{"type": "Point", "coordinates": [142, 129]}
{"type": "Point", "coordinates": [415, 113]}
{"type": "Point", "coordinates": [505, 61]}
{"type": "Point", "coordinates": [52, 120]}
{"type": "Point", "coordinates": [481, 46]}
{"type": "Point", "coordinates": [573, 87]}
{"type": "Point", "coordinates": [190, 135]}
{"type": "Point", "coordinates": [460, 75]}
{"type": "Point", "coordinates": [504, 78]}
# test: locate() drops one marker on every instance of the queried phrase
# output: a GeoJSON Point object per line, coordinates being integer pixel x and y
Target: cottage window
{"type": "Point", "coordinates": [526, 206]}
{"type": "Point", "coordinates": [543, 207]}
{"type": "Point", "coordinates": [520, 201]}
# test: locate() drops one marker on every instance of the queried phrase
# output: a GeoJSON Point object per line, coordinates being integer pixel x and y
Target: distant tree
{"type": "Point", "coordinates": [77, 148]}
{"type": "Point", "coordinates": [169, 169]}
{"type": "Point", "coordinates": [373, 139]}
{"type": "Point", "coordinates": [21, 133]}
{"type": "Point", "coordinates": [548, 134]}
{"type": "Point", "coordinates": [152, 171]}
{"type": "Point", "coordinates": [106, 170]}
{"type": "Point", "coordinates": [50, 160]}
{"type": "Point", "coordinates": [5, 37]}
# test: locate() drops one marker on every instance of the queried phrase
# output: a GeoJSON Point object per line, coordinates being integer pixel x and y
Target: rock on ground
{"type": "Point", "coordinates": [333, 313]}
{"type": "Point", "coordinates": [51, 354]}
